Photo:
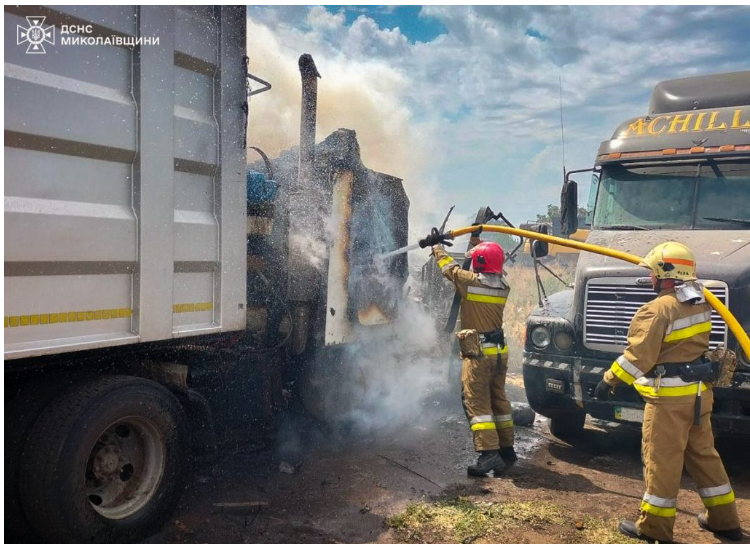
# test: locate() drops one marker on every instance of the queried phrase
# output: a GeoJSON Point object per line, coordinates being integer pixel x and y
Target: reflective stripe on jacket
{"type": "Point", "coordinates": [481, 305]}
{"type": "Point", "coordinates": [663, 330]}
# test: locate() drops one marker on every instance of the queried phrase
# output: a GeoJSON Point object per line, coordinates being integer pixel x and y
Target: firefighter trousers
{"type": "Point", "coordinates": [485, 403]}
{"type": "Point", "coordinates": [670, 440]}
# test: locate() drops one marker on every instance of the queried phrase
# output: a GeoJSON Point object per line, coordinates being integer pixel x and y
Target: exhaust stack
{"type": "Point", "coordinates": [308, 119]}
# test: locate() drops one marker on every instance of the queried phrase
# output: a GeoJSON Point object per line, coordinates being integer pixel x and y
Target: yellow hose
{"type": "Point", "coordinates": [723, 311]}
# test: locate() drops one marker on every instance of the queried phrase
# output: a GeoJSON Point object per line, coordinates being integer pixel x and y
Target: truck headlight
{"type": "Point", "coordinates": [563, 341]}
{"type": "Point", "coordinates": [540, 337]}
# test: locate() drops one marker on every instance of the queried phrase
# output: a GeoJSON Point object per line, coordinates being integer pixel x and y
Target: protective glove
{"type": "Point", "coordinates": [476, 233]}
{"type": "Point", "coordinates": [602, 391]}
{"type": "Point", "coordinates": [434, 238]}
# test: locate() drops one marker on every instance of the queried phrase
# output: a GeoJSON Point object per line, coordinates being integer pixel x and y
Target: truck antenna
{"type": "Point", "coordinates": [562, 126]}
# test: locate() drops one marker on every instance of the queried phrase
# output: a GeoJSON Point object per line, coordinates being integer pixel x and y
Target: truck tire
{"type": "Point", "coordinates": [104, 463]}
{"type": "Point", "coordinates": [22, 412]}
{"type": "Point", "coordinates": [568, 425]}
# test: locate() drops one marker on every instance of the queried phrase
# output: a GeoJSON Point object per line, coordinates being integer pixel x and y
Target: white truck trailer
{"type": "Point", "coordinates": [133, 262]}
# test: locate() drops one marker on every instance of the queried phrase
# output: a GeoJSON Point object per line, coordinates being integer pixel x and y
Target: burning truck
{"type": "Point", "coordinates": [157, 294]}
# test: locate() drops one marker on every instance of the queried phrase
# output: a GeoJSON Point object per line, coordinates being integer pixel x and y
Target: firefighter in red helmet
{"type": "Point", "coordinates": [484, 292]}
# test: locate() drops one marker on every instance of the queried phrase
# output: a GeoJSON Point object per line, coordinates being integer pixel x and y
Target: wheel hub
{"type": "Point", "coordinates": [125, 467]}
{"type": "Point", "coordinates": [108, 463]}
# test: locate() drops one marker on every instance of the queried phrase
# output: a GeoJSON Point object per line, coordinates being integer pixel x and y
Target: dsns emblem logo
{"type": "Point", "coordinates": [36, 35]}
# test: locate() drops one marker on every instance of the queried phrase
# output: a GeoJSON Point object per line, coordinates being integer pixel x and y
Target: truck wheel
{"type": "Point", "coordinates": [568, 425]}
{"type": "Point", "coordinates": [105, 462]}
{"type": "Point", "coordinates": [22, 412]}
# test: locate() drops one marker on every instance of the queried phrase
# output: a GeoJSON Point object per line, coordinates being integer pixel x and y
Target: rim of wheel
{"type": "Point", "coordinates": [124, 467]}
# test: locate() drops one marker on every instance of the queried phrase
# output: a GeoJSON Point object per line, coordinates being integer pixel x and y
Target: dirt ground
{"type": "Point", "coordinates": [346, 487]}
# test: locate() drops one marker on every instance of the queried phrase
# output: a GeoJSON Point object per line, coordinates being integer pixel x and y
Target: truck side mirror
{"type": "Point", "coordinates": [569, 208]}
{"type": "Point", "coordinates": [538, 248]}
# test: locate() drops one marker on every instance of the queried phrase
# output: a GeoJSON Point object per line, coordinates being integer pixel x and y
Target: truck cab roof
{"type": "Point", "coordinates": [701, 93]}
{"type": "Point", "coordinates": [682, 134]}
{"type": "Point", "coordinates": [707, 115]}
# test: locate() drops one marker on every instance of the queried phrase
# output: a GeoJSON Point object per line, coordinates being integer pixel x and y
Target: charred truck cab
{"type": "Point", "coordinates": [680, 173]}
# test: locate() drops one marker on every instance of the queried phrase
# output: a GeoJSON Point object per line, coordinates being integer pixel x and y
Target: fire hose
{"type": "Point", "coordinates": [715, 303]}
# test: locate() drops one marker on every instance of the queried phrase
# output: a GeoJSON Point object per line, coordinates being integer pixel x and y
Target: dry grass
{"type": "Point", "coordinates": [523, 299]}
{"type": "Point", "coordinates": [461, 520]}
{"type": "Point", "coordinates": [464, 521]}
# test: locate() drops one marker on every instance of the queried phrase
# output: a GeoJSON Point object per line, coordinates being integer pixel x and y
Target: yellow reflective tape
{"type": "Point", "coordinates": [688, 332]}
{"type": "Point", "coordinates": [489, 299]}
{"type": "Point", "coordinates": [192, 307]}
{"type": "Point", "coordinates": [680, 391]}
{"type": "Point", "coordinates": [621, 373]}
{"type": "Point", "coordinates": [727, 498]}
{"type": "Point", "coordinates": [495, 350]}
{"type": "Point", "coordinates": [486, 426]}
{"type": "Point", "coordinates": [445, 260]}
{"type": "Point", "coordinates": [505, 424]}
{"type": "Point", "coordinates": [65, 317]}
{"type": "Point", "coordinates": [658, 510]}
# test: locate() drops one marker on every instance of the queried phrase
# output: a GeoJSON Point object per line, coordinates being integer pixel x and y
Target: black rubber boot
{"type": "Point", "coordinates": [508, 455]}
{"type": "Point", "coordinates": [628, 528]}
{"type": "Point", "coordinates": [731, 534]}
{"type": "Point", "coordinates": [488, 460]}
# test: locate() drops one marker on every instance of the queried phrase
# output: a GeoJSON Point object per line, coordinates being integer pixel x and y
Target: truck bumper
{"type": "Point", "coordinates": [557, 385]}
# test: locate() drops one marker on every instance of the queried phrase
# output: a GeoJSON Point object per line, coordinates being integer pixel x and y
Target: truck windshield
{"type": "Point", "coordinates": [711, 195]}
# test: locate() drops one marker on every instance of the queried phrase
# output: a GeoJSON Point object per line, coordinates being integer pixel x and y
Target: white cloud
{"type": "Point", "coordinates": [480, 103]}
{"type": "Point", "coordinates": [320, 19]}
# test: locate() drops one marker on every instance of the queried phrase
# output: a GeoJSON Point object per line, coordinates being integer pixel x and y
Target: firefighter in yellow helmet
{"type": "Point", "coordinates": [483, 293]}
{"type": "Point", "coordinates": [663, 361]}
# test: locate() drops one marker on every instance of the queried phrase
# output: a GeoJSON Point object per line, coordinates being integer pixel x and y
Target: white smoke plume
{"type": "Point", "coordinates": [313, 250]}
{"type": "Point", "coordinates": [360, 94]}
{"type": "Point", "coordinates": [380, 384]}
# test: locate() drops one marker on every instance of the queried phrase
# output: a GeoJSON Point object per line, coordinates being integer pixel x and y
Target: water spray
{"type": "Point", "coordinates": [405, 249]}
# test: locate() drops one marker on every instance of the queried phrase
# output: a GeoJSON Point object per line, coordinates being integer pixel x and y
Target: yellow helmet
{"type": "Point", "coordinates": [671, 260]}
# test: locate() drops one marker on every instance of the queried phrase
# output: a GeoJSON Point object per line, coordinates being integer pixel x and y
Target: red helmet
{"type": "Point", "coordinates": [488, 258]}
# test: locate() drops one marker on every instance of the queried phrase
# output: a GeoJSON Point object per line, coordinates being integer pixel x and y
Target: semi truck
{"type": "Point", "coordinates": [155, 304]}
{"type": "Point", "coordinates": [682, 173]}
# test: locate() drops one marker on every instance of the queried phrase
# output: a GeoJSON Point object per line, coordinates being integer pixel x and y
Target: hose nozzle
{"type": "Point", "coordinates": [436, 237]}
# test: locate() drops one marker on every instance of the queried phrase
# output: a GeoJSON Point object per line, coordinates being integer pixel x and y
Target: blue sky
{"type": "Point", "coordinates": [407, 19]}
{"type": "Point", "coordinates": [463, 102]}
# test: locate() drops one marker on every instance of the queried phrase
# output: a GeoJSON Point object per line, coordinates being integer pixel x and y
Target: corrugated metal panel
{"type": "Point", "coordinates": [120, 164]}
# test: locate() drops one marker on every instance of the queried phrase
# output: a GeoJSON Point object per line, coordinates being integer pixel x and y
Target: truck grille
{"type": "Point", "coordinates": [611, 304]}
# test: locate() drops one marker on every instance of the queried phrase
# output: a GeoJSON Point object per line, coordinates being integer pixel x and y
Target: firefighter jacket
{"type": "Point", "coordinates": [482, 305]}
{"type": "Point", "coordinates": [664, 330]}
